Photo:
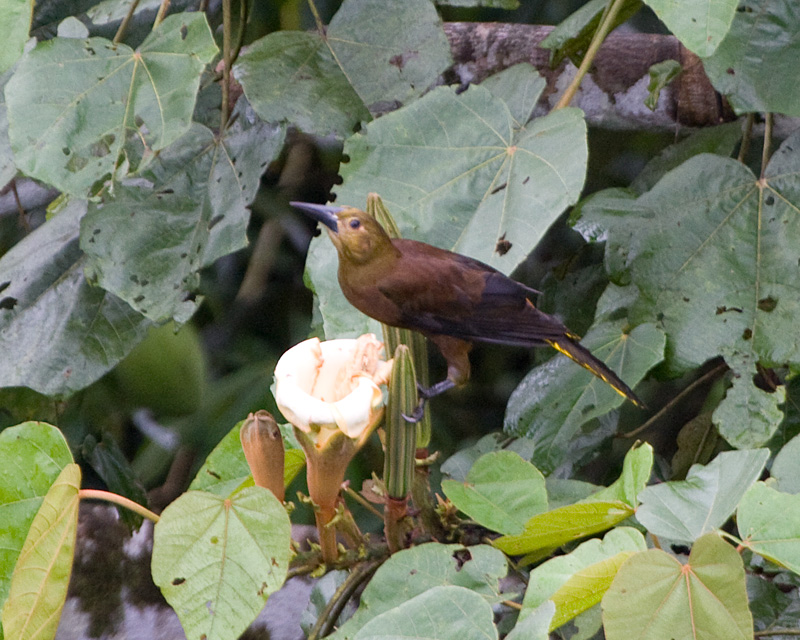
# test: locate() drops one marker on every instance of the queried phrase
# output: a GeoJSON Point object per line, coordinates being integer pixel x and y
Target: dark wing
{"type": "Point", "coordinates": [440, 292]}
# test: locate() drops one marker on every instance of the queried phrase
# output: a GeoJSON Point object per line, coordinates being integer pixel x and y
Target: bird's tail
{"type": "Point", "coordinates": [574, 351]}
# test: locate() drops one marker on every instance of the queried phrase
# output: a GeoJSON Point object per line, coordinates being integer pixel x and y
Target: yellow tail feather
{"type": "Point", "coordinates": [584, 357]}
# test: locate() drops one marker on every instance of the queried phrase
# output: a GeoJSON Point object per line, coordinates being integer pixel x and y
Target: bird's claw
{"type": "Point", "coordinates": [418, 412]}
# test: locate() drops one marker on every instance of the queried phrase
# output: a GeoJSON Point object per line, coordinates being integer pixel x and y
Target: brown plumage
{"type": "Point", "coordinates": [451, 299]}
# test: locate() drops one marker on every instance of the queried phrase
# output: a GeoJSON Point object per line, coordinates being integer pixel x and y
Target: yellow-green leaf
{"type": "Point", "coordinates": [39, 584]}
{"type": "Point", "coordinates": [556, 527]}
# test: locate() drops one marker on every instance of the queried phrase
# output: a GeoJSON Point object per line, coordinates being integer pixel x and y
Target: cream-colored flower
{"type": "Point", "coordinates": [333, 386]}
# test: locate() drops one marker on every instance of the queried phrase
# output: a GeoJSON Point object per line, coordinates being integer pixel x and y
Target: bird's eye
{"type": "Point", "coordinates": [355, 223]}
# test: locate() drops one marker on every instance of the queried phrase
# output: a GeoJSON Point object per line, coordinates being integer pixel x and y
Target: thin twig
{"type": "Point", "coordinates": [317, 18]}
{"type": "Point", "coordinates": [609, 15]}
{"type": "Point", "coordinates": [243, 15]}
{"type": "Point", "coordinates": [107, 496]}
{"type": "Point", "coordinates": [746, 137]}
{"type": "Point", "coordinates": [23, 218]}
{"type": "Point", "coordinates": [363, 502]}
{"type": "Point", "coordinates": [660, 413]}
{"type": "Point", "coordinates": [123, 26]}
{"type": "Point", "coordinates": [777, 632]}
{"type": "Point", "coordinates": [765, 151]}
{"type": "Point", "coordinates": [162, 12]}
{"type": "Point", "coordinates": [226, 63]}
{"type": "Point", "coordinates": [329, 615]}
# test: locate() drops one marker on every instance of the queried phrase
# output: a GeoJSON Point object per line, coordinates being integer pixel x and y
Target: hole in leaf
{"type": "Point", "coordinates": [767, 304]}
{"type": "Point", "coordinates": [8, 303]}
{"type": "Point", "coordinates": [462, 556]}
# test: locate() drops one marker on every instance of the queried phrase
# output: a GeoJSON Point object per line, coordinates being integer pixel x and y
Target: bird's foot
{"type": "Point", "coordinates": [418, 412]}
{"type": "Point", "coordinates": [425, 394]}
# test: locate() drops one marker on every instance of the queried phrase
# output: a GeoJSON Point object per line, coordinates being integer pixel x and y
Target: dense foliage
{"type": "Point", "coordinates": [151, 138]}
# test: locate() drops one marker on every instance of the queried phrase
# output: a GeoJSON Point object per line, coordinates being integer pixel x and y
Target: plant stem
{"type": "Point", "coordinates": [329, 615]}
{"type": "Point", "coordinates": [226, 63]}
{"type": "Point", "coordinates": [609, 15]}
{"type": "Point", "coordinates": [364, 503]}
{"type": "Point", "coordinates": [660, 413]}
{"type": "Point", "coordinates": [765, 151]}
{"type": "Point", "coordinates": [162, 12]}
{"type": "Point", "coordinates": [123, 26]}
{"type": "Point", "coordinates": [317, 18]}
{"type": "Point", "coordinates": [107, 496]}
{"type": "Point", "coordinates": [746, 137]}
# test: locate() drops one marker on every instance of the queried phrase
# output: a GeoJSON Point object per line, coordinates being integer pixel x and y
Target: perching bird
{"type": "Point", "coordinates": [451, 299]}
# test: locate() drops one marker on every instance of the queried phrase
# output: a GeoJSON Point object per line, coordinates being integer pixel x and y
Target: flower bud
{"type": "Point", "coordinates": [262, 444]}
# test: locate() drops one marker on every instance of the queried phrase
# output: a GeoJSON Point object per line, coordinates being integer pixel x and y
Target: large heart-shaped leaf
{"type": "Point", "coordinates": [659, 598]}
{"type": "Point", "coordinates": [217, 559]}
{"type": "Point", "coordinates": [75, 105]}
{"type": "Point", "coordinates": [372, 57]}
{"type": "Point", "coordinates": [686, 509]}
{"type": "Point", "coordinates": [146, 245]}
{"type": "Point", "coordinates": [58, 333]}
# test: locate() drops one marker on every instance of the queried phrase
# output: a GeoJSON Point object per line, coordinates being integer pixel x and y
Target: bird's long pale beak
{"type": "Point", "coordinates": [324, 213]}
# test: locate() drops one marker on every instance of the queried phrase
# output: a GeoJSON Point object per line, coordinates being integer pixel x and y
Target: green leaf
{"type": "Point", "coordinates": [769, 524]}
{"type": "Point", "coordinates": [469, 181]}
{"type": "Point", "coordinates": [372, 56]}
{"type": "Point", "coordinates": [749, 416]}
{"type": "Point", "coordinates": [578, 580]}
{"type": "Point", "coordinates": [785, 468]}
{"type": "Point", "coordinates": [292, 77]}
{"type": "Point", "coordinates": [660, 598]}
{"type": "Point", "coordinates": [41, 577]}
{"type": "Point", "coordinates": [501, 492]}
{"type": "Point", "coordinates": [700, 25]}
{"type": "Point", "coordinates": [562, 525]}
{"type": "Point", "coordinates": [217, 560]}
{"type": "Point", "coordinates": [75, 105]}
{"type": "Point", "coordinates": [636, 469]}
{"type": "Point", "coordinates": [414, 571]}
{"type": "Point", "coordinates": [32, 455]}
{"type": "Point", "coordinates": [684, 510]}
{"type": "Point", "coordinates": [536, 626]}
{"type": "Point", "coordinates": [765, 34]}
{"type": "Point", "coordinates": [720, 140]}
{"type": "Point", "coordinates": [457, 466]}
{"type": "Point", "coordinates": [147, 245]}
{"type": "Point", "coordinates": [556, 399]}
{"type": "Point", "coordinates": [661, 74]}
{"type": "Point", "coordinates": [226, 469]}
{"type": "Point", "coordinates": [571, 38]}
{"type": "Point", "coordinates": [520, 87]}
{"type": "Point", "coordinates": [14, 29]}
{"type": "Point", "coordinates": [7, 165]}
{"type": "Point", "coordinates": [710, 249]}
{"type": "Point", "coordinates": [58, 334]}
{"type": "Point", "coordinates": [441, 613]}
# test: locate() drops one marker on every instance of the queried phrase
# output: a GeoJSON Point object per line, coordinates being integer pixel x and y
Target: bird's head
{"type": "Point", "coordinates": [357, 236]}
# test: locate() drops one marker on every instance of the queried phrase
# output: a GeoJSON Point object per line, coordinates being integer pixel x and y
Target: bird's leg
{"type": "Point", "coordinates": [425, 394]}
{"type": "Point", "coordinates": [456, 352]}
